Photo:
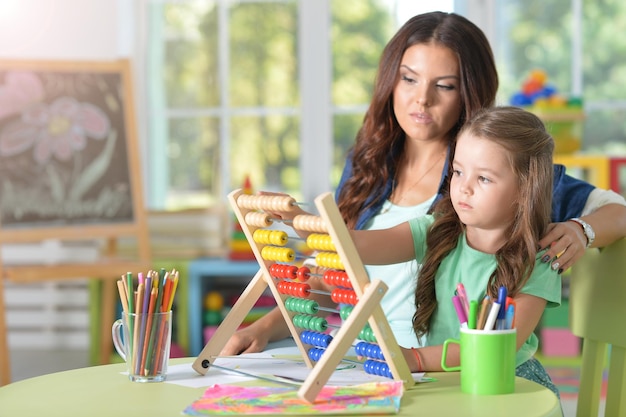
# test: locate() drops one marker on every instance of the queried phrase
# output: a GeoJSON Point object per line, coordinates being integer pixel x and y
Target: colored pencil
{"type": "Point", "coordinates": [173, 292]}
{"type": "Point", "coordinates": [148, 333]}
{"type": "Point", "coordinates": [482, 316]}
{"type": "Point", "coordinates": [130, 291]}
{"type": "Point", "coordinates": [167, 288]}
{"type": "Point", "coordinates": [161, 277]}
{"type": "Point", "coordinates": [162, 335]}
{"type": "Point", "coordinates": [158, 354]}
{"type": "Point", "coordinates": [123, 298]}
{"type": "Point", "coordinates": [138, 324]}
{"type": "Point", "coordinates": [130, 294]}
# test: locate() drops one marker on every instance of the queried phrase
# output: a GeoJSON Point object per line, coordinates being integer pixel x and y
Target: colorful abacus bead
{"type": "Point", "coordinates": [337, 278]}
{"type": "Point", "coordinates": [329, 260]}
{"type": "Point", "coordinates": [315, 354]}
{"type": "Point", "coordinates": [266, 202]}
{"type": "Point", "coordinates": [296, 289]}
{"type": "Point", "coordinates": [369, 350]}
{"type": "Point", "coordinates": [377, 368]}
{"type": "Point", "coordinates": [316, 339]}
{"type": "Point", "coordinates": [341, 296]}
{"type": "Point", "coordinates": [258, 219]}
{"type": "Point", "coordinates": [367, 334]}
{"type": "Point", "coordinates": [345, 311]}
{"type": "Point", "coordinates": [274, 253]}
{"type": "Point", "coordinates": [309, 223]}
{"type": "Point", "coordinates": [308, 322]}
{"type": "Point", "coordinates": [303, 274]}
{"type": "Point", "coordinates": [318, 241]}
{"type": "Point", "coordinates": [270, 237]}
{"type": "Point", "coordinates": [283, 271]}
{"type": "Point", "coordinates": [300, 305]}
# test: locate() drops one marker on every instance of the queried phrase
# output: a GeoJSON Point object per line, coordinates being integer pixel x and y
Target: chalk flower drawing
{"type": "Point", "coordinates": [61, 136]}
{"type": "Point", "coordinates": [20, 90]}
{"type": "Point", "coordinates": [58, 129]}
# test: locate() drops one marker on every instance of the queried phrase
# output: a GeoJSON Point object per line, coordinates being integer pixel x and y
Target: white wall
{"type": "Point", "coordinates": [63, 29]}
{"type": "Point", "coordinates": [76, 30]}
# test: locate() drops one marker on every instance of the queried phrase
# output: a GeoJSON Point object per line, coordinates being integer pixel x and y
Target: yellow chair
{"type": "Point", "coordinates": [597, 315]}
{"type": "Point", "coordinates": [593, 169]}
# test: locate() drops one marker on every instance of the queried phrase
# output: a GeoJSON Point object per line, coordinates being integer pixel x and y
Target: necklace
{"type": "Point", "coordinates": [406, 192]}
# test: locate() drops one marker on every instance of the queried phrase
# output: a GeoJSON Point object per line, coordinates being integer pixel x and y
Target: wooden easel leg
{"type": "Point", "coordinates": [5, 362]}
{"type": "Point", "coordinates": [107, 312]}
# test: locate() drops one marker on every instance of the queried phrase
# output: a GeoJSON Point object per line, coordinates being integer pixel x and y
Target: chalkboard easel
{"type": "Point", "coordinates": [69, 171]}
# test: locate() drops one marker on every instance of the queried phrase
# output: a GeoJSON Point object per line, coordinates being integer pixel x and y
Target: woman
{"type": "Point", "coordinates": [434, 74]}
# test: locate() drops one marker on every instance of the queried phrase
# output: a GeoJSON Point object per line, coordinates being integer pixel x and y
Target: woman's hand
{"type": "Point", "coordinates": [283, 215]}
{"type": "Point", "coordinates": [566, 244]}
{"type": "Point", "coordinates": [255, 337]}
{"type": "Point", "coordinates": [246, 340]}
{"type": "Point", "coordinates": [286, 216]}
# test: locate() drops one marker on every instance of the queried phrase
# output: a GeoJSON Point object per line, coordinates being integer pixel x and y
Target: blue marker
{"type": "Point", "coordinates": [510, 316]}
{"type": "Point", "coordinates": [501, 320]}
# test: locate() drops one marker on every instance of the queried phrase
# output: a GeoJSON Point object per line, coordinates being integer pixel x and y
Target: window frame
{"type": "Point", "coordinates": [316, 110]}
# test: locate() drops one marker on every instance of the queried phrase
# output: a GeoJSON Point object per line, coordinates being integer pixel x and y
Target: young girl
{"type": "Point", "coordinates": [482, 234]}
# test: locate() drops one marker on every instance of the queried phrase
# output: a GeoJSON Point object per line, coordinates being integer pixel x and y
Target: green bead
{"type": "Point", "coordinates": [289, 304]}
{"type": "Point", "coordinates": [345, 312]}
{"type": "Point", "coordinates": [311, 306]}
{"type": "Point", "coordinates": [320, 324]}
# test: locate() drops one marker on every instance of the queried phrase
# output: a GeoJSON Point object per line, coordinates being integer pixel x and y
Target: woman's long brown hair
{"type": "Point", "coordinates": [529, 149]}
{"type": "Point", "coordinates": [380, 141]}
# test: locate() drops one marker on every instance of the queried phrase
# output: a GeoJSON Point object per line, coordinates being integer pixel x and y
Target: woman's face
{"type": "Point", "coordinates": [426, 98]}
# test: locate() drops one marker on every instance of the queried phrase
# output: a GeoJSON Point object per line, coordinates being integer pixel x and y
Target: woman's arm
{"type": "Point", "coordinates": [605, 212]}
{"type": "Point", "coordinates": [529, 309]}
{"type": "Point", "coordinates": [271, 327]}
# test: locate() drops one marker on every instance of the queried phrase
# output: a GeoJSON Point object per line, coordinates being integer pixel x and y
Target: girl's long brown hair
{"type": "Point", "coordinates": [380, 141]}
{"type": "Point", "coordinates": [529, 149]}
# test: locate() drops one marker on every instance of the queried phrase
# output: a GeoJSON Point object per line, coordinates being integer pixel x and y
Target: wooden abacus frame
{"type": "Point", "coordinates": [367, 309]}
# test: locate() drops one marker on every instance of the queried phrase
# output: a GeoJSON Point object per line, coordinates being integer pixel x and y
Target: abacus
{"type": "Point", "coordinates": [343, 269]}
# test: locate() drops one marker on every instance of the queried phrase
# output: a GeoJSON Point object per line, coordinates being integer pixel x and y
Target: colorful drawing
{"type": "Point", "coordinates": [370, 398]}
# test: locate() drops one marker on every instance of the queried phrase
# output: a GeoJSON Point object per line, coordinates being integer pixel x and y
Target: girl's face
{"type": "Point", "coordinates": [426, 98]}
{"type": "Point", "coordinates": [483, 187]}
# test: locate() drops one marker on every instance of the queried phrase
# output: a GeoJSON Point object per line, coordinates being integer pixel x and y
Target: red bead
{"type": "Point", "coordinates": [291, 271]}
{"type": "Point", "coordinates": [303, 273]}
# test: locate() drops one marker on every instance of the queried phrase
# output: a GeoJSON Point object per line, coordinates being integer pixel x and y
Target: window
{"type": "Point", "coordinates": [223, 98]}
{"type": "Point", "coordinates": [248, 88]}
{"type": "Point", "coordinates": [575, 43]}
{"type": "Point", "coordinates": [277, 89]}
{"type": "Point", "coordinates": [355, 62]}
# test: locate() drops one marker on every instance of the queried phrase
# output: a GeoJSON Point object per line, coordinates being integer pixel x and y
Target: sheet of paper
{"type": "Point", "coordinates": [267, 366]}
{"type": "Point", "coordinates": [345, 375]}
{"type": "Point", "coordinates": [185, 375]}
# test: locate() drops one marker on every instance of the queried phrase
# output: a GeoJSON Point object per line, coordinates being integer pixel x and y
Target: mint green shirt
{"type": "Point", "coordinates": [398, 304]}
{"type": "Point", "coordinates": [473, 268]}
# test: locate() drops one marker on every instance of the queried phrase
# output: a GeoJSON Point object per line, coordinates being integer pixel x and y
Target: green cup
{"type": "Point", "coordinates": [487, 361]}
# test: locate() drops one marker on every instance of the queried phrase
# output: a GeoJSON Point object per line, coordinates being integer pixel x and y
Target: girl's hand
{"type": "Point", "coordinates": [283, 215]}
{"type": "Point", "coordinates": [566, 244]}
